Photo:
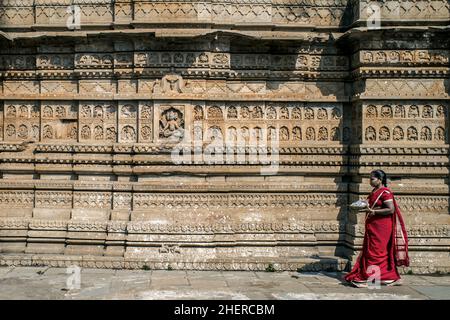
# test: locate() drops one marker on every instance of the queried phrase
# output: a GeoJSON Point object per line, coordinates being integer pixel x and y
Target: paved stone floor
{"type": "Point", "coordinates": [55, 283]}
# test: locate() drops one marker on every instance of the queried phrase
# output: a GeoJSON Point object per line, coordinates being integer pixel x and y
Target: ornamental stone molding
{"type": "Point", "coordinates": [220, 134]}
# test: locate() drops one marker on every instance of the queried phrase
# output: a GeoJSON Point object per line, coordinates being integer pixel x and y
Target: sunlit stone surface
{"type": "Point", "coordinates": [220, 135]}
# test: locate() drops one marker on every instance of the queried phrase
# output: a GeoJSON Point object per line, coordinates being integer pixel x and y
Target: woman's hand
{"type": "Point", "coordinates": [370, 212]}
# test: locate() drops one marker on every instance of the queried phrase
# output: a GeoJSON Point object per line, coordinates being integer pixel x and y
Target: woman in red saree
{"type": "Point", "coordinates": [385, 243]}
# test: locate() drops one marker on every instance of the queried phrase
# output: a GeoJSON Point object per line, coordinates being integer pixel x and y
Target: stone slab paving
{"type": "Point", "coordinates": [54, 283]}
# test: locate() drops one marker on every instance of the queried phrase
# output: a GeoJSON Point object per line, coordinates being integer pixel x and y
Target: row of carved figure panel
{"type": "Point", "coordinates": [95, 120]}
{"type": "Point", "coordinates": [204, 59]}
{"type": "Point", "coordinates": [136, 121]}
{"type": "Point", "coordinates": [270, 133]}
{"type": "Point", "coordinates": [270, 111]}
{"type": "Point", "coordinates": [406, 111]}
{"type": "Point", "coordinates": [70, 132]}
{"type": "Point", "coordinates": [174, 58]}
{"type": "Point", "coordinates": [96, 110]}
{"type": "Point", "coordinates": [411, 133]}
{"type": "Point", "coordinates": [402, 56]}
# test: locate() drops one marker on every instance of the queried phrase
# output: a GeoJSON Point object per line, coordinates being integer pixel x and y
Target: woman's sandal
{"type": "Point", "coordinates": [390, 283]}
{"type": "Point", "coordinates": [360, 284]}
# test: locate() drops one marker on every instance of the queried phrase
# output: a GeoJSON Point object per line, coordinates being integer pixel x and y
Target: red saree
{"type": "Point", "coordinates": [385, 241]}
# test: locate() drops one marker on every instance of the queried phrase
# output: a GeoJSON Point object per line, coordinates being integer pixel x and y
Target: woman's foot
{"type": "Point", "coordinates": [390, 283]}
{"type": "Point", "coordinates": [359, 284]}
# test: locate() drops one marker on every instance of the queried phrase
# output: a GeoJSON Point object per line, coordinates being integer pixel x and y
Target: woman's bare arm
{"type": "Point", "coordinates": [386, 211]}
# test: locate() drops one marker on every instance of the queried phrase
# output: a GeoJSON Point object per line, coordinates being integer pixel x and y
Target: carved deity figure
{"type": "Point", "coordinates": [128, 134]}
{"type": "Point", "coordinates": [245, 112]}
{"type": "Point", "coordinates": [386, 111]}
{"type": "Point", "coordinates": [257, 113]}
{"type": "Point", "coordinates": [310, 134]}
{"type": "Point", "coordinates": [146, 133]}
{"type": "Point", "coordinates": [322, 114]}
{"type": "Point", "coordinates": [86, 133]}
{"type": "Point", "coordinates": [48, 112]}
{"type": "Point", "coordinates": [198, 113]}
{"type": "Point", "coordinates": [413, 111]}
{"type": "Point", "coordinates": [23, 112]}
{"type": "Point", "coordinates": [440, 111]}
{"type": "Point", "coordinates": [296, 113]}
{"type": "Point", "coordinates": [284, 113]}
{"type": "Point", "coordinates": [10, 130]}
{"type": "Point", "coordinates": [47, 132]}
{"type": "Point", "coordinates": [215, 112]}
{"type": "Point", "coordinates": [146, 112]}
{"type": "Point", "coordinates": [427, 112]}
{"type": "Point", "coordinates": [85, 111]}
{"type": "Point", "coordinates": [297, 133]}
{"type": "Point", "coordinates": [271, 113]}
{"type": "Point", "coordinates": [370, 134]}
{"type": "Point", "coordinates": [398, 134]}
{"type": "Point", "coordinates": [371, 112]}
{"type": "Point", "coordinates": [425, 134]}
{"type": "Point", "coordinates": [60, 111]}
{"type": "Point", "coordinates": [232, 113]}
{"type": "Point", "coordinates": [412, 134]}
{"type": "Point", "coordinates": [309, 114]}
{"type": "Point", "coordinates": [384, 134]}
{"type": "Point", "coordinates": [171, 124]}
{"type": "Point", "coordinates": [98, 133]}
{"type": "Point", "coordinates": [72, 132]}
{"type": "Point", "coordinates": [111, 134]}
{"type": "Point", "coordinates": [22, 132]}
{"type": "Point", "coordinates": [284, 134]}
{"type": "Point", "coordinates": [323, 134]}
{"type": "Point", "coordinates": [439, 134]}
{"type": "Point", "coordinates": [399, 111]}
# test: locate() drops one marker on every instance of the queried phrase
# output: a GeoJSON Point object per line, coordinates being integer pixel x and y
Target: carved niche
{"type": "Point", "coordinates": [171, 123]}
{"type": "Point", "coordinates": [128, 120]}
{"type": "Point", "coordinates": [413, 122]}
{"type": "Point", "coordinates": [21, 121]}
{"type": "Point", "coordinates": [59, 120]}
{"type": "Point", "coordinates": [146, 121]}
{"type": "Point", "coordinates": [98, 121]}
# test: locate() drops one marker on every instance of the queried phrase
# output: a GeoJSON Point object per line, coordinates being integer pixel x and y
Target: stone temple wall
{"type": "Point", "coordinates": [219, 134]}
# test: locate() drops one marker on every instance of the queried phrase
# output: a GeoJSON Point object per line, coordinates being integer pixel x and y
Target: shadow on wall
{"type": "Point", "coordinates": [350, 13]}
